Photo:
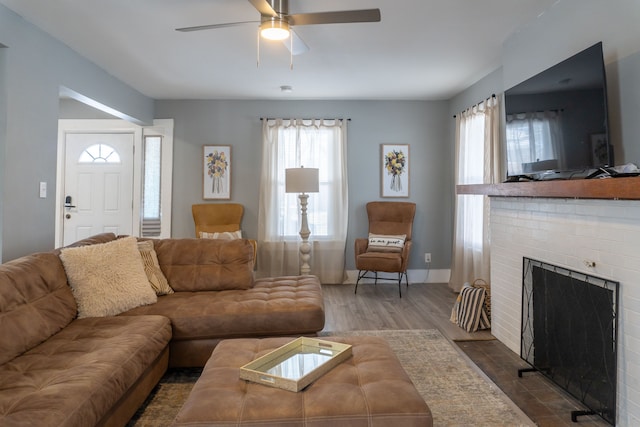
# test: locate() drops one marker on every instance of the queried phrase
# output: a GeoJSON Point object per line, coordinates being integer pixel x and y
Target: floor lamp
{"type": "Point", "coordinates": [303, 180]}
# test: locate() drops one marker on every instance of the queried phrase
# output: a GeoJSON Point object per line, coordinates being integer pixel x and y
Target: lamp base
{"type": "Point", "coordinates": [305, 257]}
{"type": "Point", "coordinates": [305, 246]}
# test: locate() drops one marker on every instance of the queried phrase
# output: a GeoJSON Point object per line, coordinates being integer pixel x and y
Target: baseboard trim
{"type": "Point", "coordinates": [415, 276]}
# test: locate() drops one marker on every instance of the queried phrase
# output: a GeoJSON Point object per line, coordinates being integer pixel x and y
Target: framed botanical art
{"type": "Point", "coordinates": [395, 170]}
{"type": "Point", "coordinates": [216, 176]}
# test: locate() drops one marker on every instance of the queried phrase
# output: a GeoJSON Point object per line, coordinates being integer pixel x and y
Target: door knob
{"type": "Point", "coordinates": [67, 216]}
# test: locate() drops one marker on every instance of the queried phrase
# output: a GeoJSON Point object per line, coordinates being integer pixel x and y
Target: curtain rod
{"type": "Point", "coordinates": [493, 95]}
{"type": "Point", "coordinates": [273, 118]}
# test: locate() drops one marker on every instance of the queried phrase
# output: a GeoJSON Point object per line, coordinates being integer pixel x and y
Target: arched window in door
{"type": "Point", "coordinates": [99, 153]}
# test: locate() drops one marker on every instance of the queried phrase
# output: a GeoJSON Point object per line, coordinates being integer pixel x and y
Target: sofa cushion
{"type": "Point", "coordinates": [76, 377]}
{"type": "Point", "coordinates": [107, 278]}
{"type": "Point", "coordinates": [206, 264]}
{"type": "Point", "coordinates": [274, 306]}
{"type": "Point", "coordinates": [35, 302]}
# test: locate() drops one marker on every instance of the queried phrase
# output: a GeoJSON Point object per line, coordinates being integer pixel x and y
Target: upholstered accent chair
{"type": "Point", "coordinates": [389, 244]}
{"type": "Point", "coordinates": [213, 219]}
{"type": "Point", "coordinates": [217, 217]}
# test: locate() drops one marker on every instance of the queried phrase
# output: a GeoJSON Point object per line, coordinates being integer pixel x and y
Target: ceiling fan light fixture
{"type": "Point", "coordinates": [274, 29]}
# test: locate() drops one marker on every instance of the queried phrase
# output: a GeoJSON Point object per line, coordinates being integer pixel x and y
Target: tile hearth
{"type": "Point", "coordinates": [541, 400]}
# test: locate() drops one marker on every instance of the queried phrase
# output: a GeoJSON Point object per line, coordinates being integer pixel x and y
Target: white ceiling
{"type": "Point", "coordinates": [422, 49]}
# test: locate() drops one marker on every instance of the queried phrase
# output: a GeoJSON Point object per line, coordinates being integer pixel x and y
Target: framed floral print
{"type": "Point", "coordinates": [395, 170]}
{"type": "Point", "coordinates": [216, 176]}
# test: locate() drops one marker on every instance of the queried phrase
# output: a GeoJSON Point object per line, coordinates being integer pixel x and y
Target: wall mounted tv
{"type": "Point", "coordinates": [556, 121]}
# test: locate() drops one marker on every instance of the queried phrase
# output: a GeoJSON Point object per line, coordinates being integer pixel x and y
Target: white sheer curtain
{"type": "Point", "coordinates": [318, 144]}
{"type": "Point", "coordinates": [532, 138]}
{"type": "Point", "coordinates": [478, 161]}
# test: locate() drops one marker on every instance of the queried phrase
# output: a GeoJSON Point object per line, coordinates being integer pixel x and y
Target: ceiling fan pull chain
{"type": "Point", "coordinates": [291, 51]}
{"type": "Point", "coordinates": [258, 50]}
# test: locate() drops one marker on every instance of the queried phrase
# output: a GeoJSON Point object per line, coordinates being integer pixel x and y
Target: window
{"type": "Point", "coordinates": [311, 144]}
{"type": "Point", "coordinates": [309, 147]}
{"type": "Point", "coordinates": [156, 157]}
{"type": "Point", "coordinates": [533, 138]}
{"type": "Point", "coordinates": [314, 144]}
{"type": "Point", "coordinates": [151, 188]}
{"type": "Point", "coordinates": [477, 162]}
{"type": "Point", "coordinates": [99, 153]}
{"type": "Point", "coordinates": [471, 171]}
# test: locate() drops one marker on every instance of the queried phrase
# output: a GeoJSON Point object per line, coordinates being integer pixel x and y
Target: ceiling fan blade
{"type": "Point", "coordinates": [299, 46]}
{"type": "Point", "coordinates": [214, 26]}
{"type": "Point", "coordinates": [339, 17]}
{"type": "Point", "coordinates": [264, 7]}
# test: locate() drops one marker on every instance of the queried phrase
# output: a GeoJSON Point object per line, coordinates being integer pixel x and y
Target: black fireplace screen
{"type": "Point", "coordinates": [569, 332]}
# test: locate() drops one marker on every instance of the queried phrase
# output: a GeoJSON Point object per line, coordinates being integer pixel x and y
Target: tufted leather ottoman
{"type": "Point", "coordinates": [369, 389]}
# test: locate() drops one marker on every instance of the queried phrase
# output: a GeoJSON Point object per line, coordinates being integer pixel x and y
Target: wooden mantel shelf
{"type": "Point", "coordinates": [606, 188]}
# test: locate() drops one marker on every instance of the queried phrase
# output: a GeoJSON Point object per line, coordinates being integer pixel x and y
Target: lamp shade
{"type": "Point", "coordinates": [301, 180]}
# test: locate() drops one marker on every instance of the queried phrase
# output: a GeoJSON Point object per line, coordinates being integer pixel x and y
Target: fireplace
{"type": "Point", "coordinates": [569, 333]}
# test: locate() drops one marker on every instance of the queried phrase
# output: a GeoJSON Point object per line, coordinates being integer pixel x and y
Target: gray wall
{"type": "Point", "coordinates": [481, 90]}
{"type": "Point", "coordinates": [571, 26]}
{"type": "Point", "coordinates": [35, 67]}
{"type": "Point", "coordinates": [624, 107]}
{"type": "Point", "coordinates": [3, 127]}
{"type": "Point", "coordinates": [72, 109]}
{"type": "Point", "coordinates": [423, 125]}
{"type": "Point", "coordinates": [562, 31]}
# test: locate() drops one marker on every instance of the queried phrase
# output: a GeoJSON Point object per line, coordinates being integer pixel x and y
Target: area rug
{"type": "Point", "coordinates": [457, 394]}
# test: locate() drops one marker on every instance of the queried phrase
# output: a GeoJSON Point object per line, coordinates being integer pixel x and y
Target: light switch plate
{"type": "Point", "coordinates": [43, 190]}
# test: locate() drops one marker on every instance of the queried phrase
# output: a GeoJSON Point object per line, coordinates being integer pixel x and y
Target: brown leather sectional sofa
{"type": "Point", "coordinates": [56, 369]}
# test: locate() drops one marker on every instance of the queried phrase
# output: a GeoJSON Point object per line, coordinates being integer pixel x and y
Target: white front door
{"type": "Point", "coordinates": [98, 184]}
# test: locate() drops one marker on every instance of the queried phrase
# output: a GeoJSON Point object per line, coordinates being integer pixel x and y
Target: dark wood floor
{"type": "Point", "coordinates": [428, 306]}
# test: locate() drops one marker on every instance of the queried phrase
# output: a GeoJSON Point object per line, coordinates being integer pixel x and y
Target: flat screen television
{"type": "Point", "coordinates": [556, 121]}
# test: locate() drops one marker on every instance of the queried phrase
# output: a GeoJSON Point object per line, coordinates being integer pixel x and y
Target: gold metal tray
{"type": "Point", "coordinates": [297, 364]}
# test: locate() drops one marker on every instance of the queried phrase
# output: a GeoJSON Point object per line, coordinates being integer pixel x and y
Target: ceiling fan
{"type": "Point", "coordinates": [276, 22]}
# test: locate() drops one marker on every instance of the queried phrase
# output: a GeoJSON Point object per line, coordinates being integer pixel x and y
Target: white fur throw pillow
{"type": "Point", "coordinates": [107, 278]}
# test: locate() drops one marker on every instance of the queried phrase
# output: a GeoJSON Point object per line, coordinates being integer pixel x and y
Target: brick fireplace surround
{"type": "Point", "coordinates": [570, 233]}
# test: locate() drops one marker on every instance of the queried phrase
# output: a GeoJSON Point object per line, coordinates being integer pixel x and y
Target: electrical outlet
{"type": "Point", "coordinates": [427, 257]}
{"type": "Point", "coordinates": [43, 190]}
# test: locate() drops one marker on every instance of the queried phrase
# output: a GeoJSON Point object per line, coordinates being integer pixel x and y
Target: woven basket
{"type": "Point", "coordinates": [479, 283]}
